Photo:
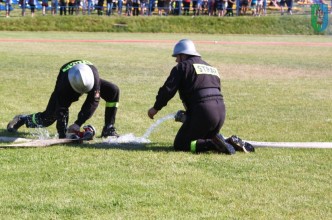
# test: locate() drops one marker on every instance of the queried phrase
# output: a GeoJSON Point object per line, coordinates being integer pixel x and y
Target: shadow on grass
{"type": "Point", "coordinates": [126, 146]}
{"type": "Point", "coordinates": [5, 133]}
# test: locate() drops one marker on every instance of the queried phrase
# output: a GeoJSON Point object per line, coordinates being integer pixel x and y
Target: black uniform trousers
{"type": "Point", "coordinates": [108, 92]}
{"type": "Point", "coordinates": [204, 120]}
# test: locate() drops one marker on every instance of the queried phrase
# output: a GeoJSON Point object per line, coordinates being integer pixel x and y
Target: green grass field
{"type": "Point", "coordinates": [276, 88]}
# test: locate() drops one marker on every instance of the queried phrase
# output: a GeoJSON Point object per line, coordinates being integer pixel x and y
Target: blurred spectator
{"type": "Point", "coordinates": [32, 4]}
{"type": "Point", "coordinates": [135, 7]}
{"type": "Point", "coordinates": [77, 6]}
{"type": "Point", "coordinates": [167, 7]}
{"type": "Point", "coordinates": [129, 6]}
{"type": "Point", "coordinates": [120, 7]}
{"type": "Point", "coordinates": [186, 7]}
{"type": "Point", "coordinates": [274, 3]}
{"type": "Point", "coordinates": [319, 2]}
{"type": "Point", "coordinates": [194, 6]}
{"type": "Point", "coordinates": [71, 7]}
{"type": "Point", "coordinates": [8, 5]}
{"type": "Point", "coordinates": [109, 7]}
{"type": "Point", "coordinates": [54, 7]}
{"type": "Point", "coordinates": [23, 4]}
{"type": "Point", "coordinates": [84, 6]}
{"type": "Point", "coordinates": [100, 7]}
{"type": "Point", "coordinates": [211, 5]}
{"type": "Point", "coordinates": [259, 8]}
{"type": "Point", "coordinates": [229, 8]}
{"type": "Point", "coordinates": [160, 5]}
{"type": "Point", "coordinates": [253, 6]}
{"type": "Point", "coordinates": [224, 5]}
{"type": "Point", "coordinates": [44, 6]}
{"type": "Point", "coordinates": [152, 6]}
{"type": "Point", "coordinates": [177, 7]}
{"type": "Point", "coordinates": [143, 7]}
{"type": "Point", "coordinates": [205, 7]}
{"type": "Point", "coordinates": [244, 6]}
{"type": "Point", "coordinates": [264, 7]}
{"type": "Point", "coordinates": [63, 7]}
{"type": "Point", "coordinates": [115, 6]}
{"type": "Point", "coordinates": [282, 5]}
{"type": "Point", "coordinates": [221, 7]}
{"type": "Point", "coordinates": [197, 7]}
{"type": "Point", "coordinates": [289, 4]}
{"type": "Point", "coordinates": [89, 6]}
{"type": "Point", "coordinates": [172, 7]}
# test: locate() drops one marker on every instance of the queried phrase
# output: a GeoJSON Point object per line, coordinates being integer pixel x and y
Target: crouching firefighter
{"type": "Point", "coordinates": [75, 78]}
{"type": "Point", "coordinates": [199, 87]}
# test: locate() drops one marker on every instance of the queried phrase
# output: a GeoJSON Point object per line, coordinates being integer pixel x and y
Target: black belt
{"type": "Point", "coordinates": [204, 94]}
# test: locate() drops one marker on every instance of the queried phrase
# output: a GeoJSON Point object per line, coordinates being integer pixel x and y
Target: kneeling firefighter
{"type": "Point", "coordinates": [75, 78]}
{"type": "Point", "coordinates": [198, 84]}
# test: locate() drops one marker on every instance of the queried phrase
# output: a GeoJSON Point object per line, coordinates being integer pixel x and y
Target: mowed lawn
{"type": "Point", "coordinates": [276, 88]}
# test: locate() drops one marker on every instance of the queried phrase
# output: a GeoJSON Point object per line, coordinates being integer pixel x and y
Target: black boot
{"type": "Point", "coordinates": [240, 145]}
{"type": "Point", "coordinates": [16, 123]}
{"type": "Point", "coordinates": [222, 146]}
{"type": "Point", "coordinates": [109, 130]}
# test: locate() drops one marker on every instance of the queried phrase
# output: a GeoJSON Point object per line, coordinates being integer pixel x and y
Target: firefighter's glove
{"type": "Point", "coordinates": [180, 116]}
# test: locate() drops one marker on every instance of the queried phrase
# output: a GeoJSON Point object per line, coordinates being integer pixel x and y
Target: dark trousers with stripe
{"type": "Point", "coordinates": [111, 94]}
{"type": "Point", "coordinates": [108, 92]}
{"type": "Point", "coordinates": [204, 120]}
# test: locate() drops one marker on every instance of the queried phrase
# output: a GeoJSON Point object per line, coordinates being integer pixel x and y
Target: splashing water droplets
{"type": "Point", "coordinates": [41, 133]}
{"type": "Point", "coordinates": [130, 138]}
{"type": "Point", "coordinates": [126, 138]}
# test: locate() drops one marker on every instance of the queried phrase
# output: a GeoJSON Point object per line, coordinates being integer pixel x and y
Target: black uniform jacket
{"type": "Point", "coordinates": [195, 80]}
{"type": "Point", "coordinates": [66, 95]}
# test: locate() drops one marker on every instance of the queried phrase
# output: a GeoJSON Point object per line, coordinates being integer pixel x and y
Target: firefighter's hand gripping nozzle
{"type": "Point", "coordinates": [180, 116]}
{"type": "Point", "coordinates": [87, 134]}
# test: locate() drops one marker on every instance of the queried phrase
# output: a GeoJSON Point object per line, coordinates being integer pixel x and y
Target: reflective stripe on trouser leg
{"type": "Point", "coordinates": [32, 121]}
{"type": "Point", "coordinates": [112, 104]}
{"type": "Point", "coordinates": [39, 120]}
{"type": "Point", "coordinates": [193, 146]}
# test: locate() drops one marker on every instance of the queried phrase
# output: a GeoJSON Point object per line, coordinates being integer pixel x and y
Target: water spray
{"type": "Point", "coordinates": [130, 138]}
{"type": "Point", "coordinates": [41, 133]}
{"type": "Point", "coordinates": [157, 123]}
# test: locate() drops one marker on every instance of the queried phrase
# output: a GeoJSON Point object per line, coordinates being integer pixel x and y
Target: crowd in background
{"type": "Point", "coordinates": [149, 7]}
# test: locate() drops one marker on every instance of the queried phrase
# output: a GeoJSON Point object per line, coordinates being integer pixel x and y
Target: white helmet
{"type": "Point", "coordinates": [81, 78]}
{"type": "Point", "coordinates": [185, 46]}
